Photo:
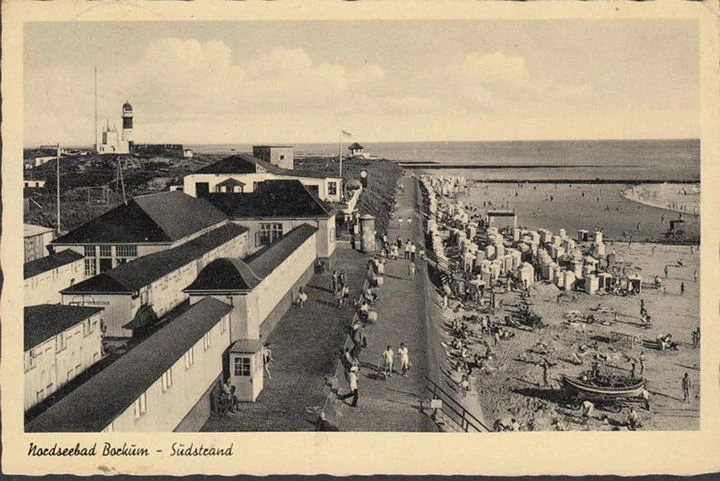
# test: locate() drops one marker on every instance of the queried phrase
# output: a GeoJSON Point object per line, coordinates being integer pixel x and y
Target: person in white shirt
{"type": "Point", "coordinates": [353, 384]}
{"type": "Point", "coordinates": [404, 359]}
{"type": "Point", "coordinates": [388, 361]}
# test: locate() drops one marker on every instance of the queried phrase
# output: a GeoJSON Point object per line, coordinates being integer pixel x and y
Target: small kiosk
{"type": "Point", "coordinates": [246, 368]}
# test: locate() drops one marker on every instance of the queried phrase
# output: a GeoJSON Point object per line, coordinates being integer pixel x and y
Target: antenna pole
{"type": "Point", "coordinates": [57, 176]}
{"type": "Point", "coordinates": [340, 152]}
{"type": "Point", "coordinates": [96, 109]}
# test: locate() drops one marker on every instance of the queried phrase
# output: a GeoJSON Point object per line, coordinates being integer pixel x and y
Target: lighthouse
{"type": "Point", "coordinates": [127, 121]}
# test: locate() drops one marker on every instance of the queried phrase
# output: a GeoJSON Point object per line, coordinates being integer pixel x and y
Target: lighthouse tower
{"type": "Point", "coordinates": [127, 127]}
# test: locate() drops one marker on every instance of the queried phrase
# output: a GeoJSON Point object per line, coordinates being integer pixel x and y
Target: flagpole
{"type": "Point", "coordinates": [340, 153]}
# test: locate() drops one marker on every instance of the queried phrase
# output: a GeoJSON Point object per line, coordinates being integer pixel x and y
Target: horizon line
{"type": "Point", "coordinates": [389, 142]}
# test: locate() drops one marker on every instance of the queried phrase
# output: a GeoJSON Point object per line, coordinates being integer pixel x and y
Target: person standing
{"type": "Point", "coordinates": [407, 249]}
{"type": "Point", "coordinates": [353, 384]}
{"type": "Point", "coordinates": [267, 358]}
{"type": "Point", "coordinates": [642, 362]}
{"type": "Point", "coordinates": [411, 271]}
{"type": "Point", "coordinates": [334, 281]}
{"type": "Point", "coordinates": [695, 275]}
{"type": "Point", "coordinates": [682, 288]}
{"type": "Point", "coordinates": [404, 359]}
{"type": "Point", "coordinates": [413, 249]}
{"type": "Point", "coordinates": [388, 357]}
{"type": "Point", "coordinates": [686, 388]}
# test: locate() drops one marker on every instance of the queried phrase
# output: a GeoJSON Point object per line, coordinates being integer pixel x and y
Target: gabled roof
{"type": "Point", "coordinates": [230, 182]}
{"type": "Point", "coordinates": [225, 274]}
{"type": "Point", "coordinates": [48, 320]}
{"type": "Point", "coordinates": [130, 277]}
{"type": "Point", "coordinates": [264, 262]}
{"type": "Point", "coordinates": [162, 217]}
{"type": "Point", "coordinates": [96, 403]}
{"type": "Point", "coordinates": [273, 198]}
{"type": "Point", "coordinates": [48, 263]}
{"type": "Point", "coordinates": [239, 164]}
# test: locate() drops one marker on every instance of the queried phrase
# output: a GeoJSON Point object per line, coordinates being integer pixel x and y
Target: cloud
{"type": "Point", "coordinates": [177, 76]}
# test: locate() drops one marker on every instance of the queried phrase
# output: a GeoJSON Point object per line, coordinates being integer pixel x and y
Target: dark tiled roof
{"type": "Point", "coordinates": [265, 261]}
{"type": "Point", "coordinates": [356, 146]}
{"type": "Point", "coordinates": [95, 404]}
{"type": "Point", "coordinates": [273, 198]}
{"type": "Point", "coordinates": [130, 277]}
{"type": "Point", "coordinates": [160, 217]}
{"type": "Point", "coordinates": [225, 275]}
{"type": "Point", "coordinates": [48, 320]}
{"type": "Point", "coordinates": [239, 164]}
{"type": "Point", "coordinates": [53, 261]}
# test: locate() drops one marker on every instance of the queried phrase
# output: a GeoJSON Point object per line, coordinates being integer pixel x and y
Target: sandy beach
{"type": "Point", "coordinates": [510, 384]}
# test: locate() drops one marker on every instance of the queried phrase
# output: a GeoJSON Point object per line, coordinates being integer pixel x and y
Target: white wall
{"type": "Point", "coordinates": [166, 409]}
{"type": "Point", "coordinates": [325, 236]}
{"type": "Point", "coordinates": [53, 368]}
{"type": "Point", "coordinates": [163, 294]}
{"type": "Point", "coordinates": [250, 179]}
{"type": "Point", "coordinates": [45, 288]}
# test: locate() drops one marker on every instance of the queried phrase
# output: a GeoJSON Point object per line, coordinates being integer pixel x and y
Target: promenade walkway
{"type": "Point", "coordinates": [392, 404]}
{"type": "Point", "coordinates": [305, 346]}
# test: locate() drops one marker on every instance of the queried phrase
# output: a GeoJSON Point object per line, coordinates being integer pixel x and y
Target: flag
{"type": "Point", "coordinates": [346, 134]}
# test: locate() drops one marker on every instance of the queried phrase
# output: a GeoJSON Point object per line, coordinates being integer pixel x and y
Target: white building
{"type": "Point", "coordinates": [282, 156]}
{"type": "Point", "coordinates": [145, 225]}
{"type": "Point", "coordinates": [60, 343]}
{"type": "Point", "coordinates": [250, 172]}
{"type": "Point", "coordinates": [114, 142]}
{"type": "Point", "coordinates": [37, 240]}
{"type": "Point", "coordinates": [161, 385]}
{"type": "Point", "coordinates": [44, 278]}
{"type": "Point", "coordinates": [136, 294]}
{"type": "Point", "coordinates": [275, 208]}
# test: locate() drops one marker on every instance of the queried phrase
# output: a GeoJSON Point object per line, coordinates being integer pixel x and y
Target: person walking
{"type": "Point", "coordinates": [388, 357]}
{"type": "Point", "coordinates": [682, 288]}
{"type": "Point", "coordinates": [353, 384]}
{"type": "Point", "coordinates": [666, 270]}
{"type": "Point", "coordinates": [404, 359]}
{"type": "Point", "coordinates": [411, 271]}
{"type": "Point", "coordinates": [267, 358]}
{"type": "Point", "coordinates": [686, 388]}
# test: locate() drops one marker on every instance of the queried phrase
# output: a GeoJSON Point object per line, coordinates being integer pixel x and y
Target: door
{"type": "Point", "coordinates": [202, 189]}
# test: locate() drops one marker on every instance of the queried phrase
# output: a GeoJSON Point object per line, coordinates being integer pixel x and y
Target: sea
{"type": "Point", "coordinates": [669, 160]}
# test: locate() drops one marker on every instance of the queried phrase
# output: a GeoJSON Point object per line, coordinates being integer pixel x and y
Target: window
{"type": "Point", "coordinates": [90, 266]}
{"type": "Point", "coordinates": [268, 233]}
{"type": "Point", "coordinates": [190, 358]}
{"type": "Point", "coordinates": [31, 359]}
{"type": "Point", "coordinates": [332, 234]}
{"type": "Point", "coordinates": [140, 406]}
{"type": "Point", "coordinates": [242, 366]}
{"type": "Point", "coordinates": [89, 251]}
{"type": "Point", "coordinates": [40, 394]}
{"type": "Point", "coordinates": [87, 327]}
{"type": "Point", "coordinates": [60, 342]}
{"type": "Point", "coordinates": [109, 428]}
{"type": "Point", "coordinates": [332, 188]}
{"type": "Point", "coordinates": [167, 380]}
{"type": "Point", "coordinates": [126, 251]}
{"type": "Point", "coordinates": [105, 251]}
{"type": "Point", "coordinates": [206, 341]}
{"type": "Point", "coordinates": [223, 325]}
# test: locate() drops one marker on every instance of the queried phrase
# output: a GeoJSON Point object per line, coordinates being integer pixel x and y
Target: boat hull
{"type": "Point", "coordinates": [632, 391]}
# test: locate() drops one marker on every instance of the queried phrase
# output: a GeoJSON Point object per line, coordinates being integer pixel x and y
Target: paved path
{"type": "Point", "coordinates": [392, 404]}
{"type": "Point", "coordinates": [305, 346]}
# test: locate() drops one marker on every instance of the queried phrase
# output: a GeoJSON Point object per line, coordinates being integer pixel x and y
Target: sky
{"type": "Point", "coordinates": [304, 81]}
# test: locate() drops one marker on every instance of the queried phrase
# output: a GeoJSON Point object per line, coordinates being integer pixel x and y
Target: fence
{"type": "Point", "coordinates": [455, 411]}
